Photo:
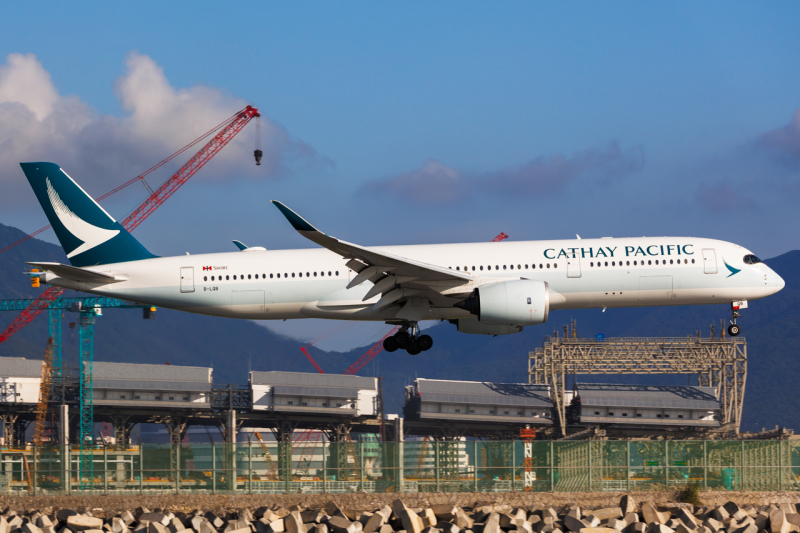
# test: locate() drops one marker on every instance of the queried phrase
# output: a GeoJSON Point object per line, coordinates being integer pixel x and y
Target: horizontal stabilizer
{"type": "Point", "coordinates": [77, 273]}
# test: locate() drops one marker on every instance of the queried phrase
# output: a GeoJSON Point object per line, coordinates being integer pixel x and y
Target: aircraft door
{"type": "Point", "coordinates": [574, 267]}
{"type": "Point", "coordinates": [187, 279]}
{"type": "Point", "coordinates": [709, 261]}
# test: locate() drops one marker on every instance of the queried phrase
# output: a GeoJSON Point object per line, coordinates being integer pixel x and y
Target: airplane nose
{"type": "Point", "coordinates": [779, 283]}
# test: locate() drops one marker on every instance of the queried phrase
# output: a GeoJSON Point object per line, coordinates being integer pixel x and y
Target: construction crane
{"type": "Point", "coordinates": [230, 128]}
{"type": "Point", "coordinates": [370, 355]}
{"type": "Point", "coordinates": [500, 237]}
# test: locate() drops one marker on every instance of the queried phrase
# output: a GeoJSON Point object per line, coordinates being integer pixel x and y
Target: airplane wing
{"type": "Point", "coordinates": [396, 278]}
{"type": "Point", "coordinates": [77, 273]}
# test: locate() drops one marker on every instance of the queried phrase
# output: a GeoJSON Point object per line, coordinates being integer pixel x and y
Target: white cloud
{"type": "Point", "coordinates": [37, 123]}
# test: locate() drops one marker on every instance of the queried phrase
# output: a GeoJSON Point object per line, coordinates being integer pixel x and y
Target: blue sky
{"type": "Point", "coordinates": [417, 122]}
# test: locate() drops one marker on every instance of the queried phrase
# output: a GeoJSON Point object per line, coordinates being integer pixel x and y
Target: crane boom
{"type": "Point", "coordinates": [370, 355]}
{"type": "Point", "coordinates": [190, 168]}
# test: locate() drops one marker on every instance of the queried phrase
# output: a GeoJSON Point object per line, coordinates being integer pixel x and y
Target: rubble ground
{"type": "Point", "coordinates": [725, 512]}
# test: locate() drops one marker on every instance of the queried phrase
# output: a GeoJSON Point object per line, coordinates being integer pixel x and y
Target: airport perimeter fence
{"type": "Point", "coordinates": [415, 466]}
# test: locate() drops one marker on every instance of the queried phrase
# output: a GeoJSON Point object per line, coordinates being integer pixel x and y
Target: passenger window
{"type": "Point", "coordinates": [285, 275]}
{"type": "Point", "coordinates": [533, 266]}
{"type": "Point", "coordinates": [628, 263]}
{"type": "Point", "coordinates": [308, 275]}
{"type": "Point", "coordinates": [322, 273]}
{"type": "Point", "coordinates": [656, 261]}
{"type": "Point", "coordinates": [548, 265]}
{"type": "Point", "coordinates": [292, 274]}
{"type": "Point", "coordinates": [263, 276]}
{"type": "Point", "coordinates": [613, 263]}
{"type": "Point", "coordinates": [526, 267]}
{"type": "Point", "coordinates": [228, 277]}
{"type": "Point", "coordinates": [540, 265]}
{"type": "Point", "coordinates": [300, 274]}
{"type": "Point", "coordinates": [649, 262]}
{"type": "Point", "coordinates": [519, 267]}
{"type": "Point", "coordinates": [205, 278]}
{"type": "Point", "coordinates": [555, 265]}
{"type": "Point", "coordinates": [337, 272]}
{"type": "Point", "coordinates": [692, 261]}
{"type": "Point", "coordinates": [248, 276]}
{"type": "Point", "coordinates": [270, 276]}
{"type": "Point", "coordinates": [685, 261]}
{"type": "Point", "coordinates": [473, 268]}
{"type": "Point", "coordinates": [497, 267]}
{"type": "Point", "coordinates": [512, 267]}
{"type": "Point", "coordinates": [234, 276]}
{"type": "Point", "coordinates": [634, 263]}
{"type": "Point", "coordinates": [670, 261]}
{"type": "Point", "coordinates": [504, 267]}
{"type": "Point", "coordinates": [465, 269]}
{"type": "Point", "coordinates": [481, 267]}
{"type": "Point", "coordinates": [591, 264]}
{"type": "Point", "coordinates": [458, 268]}
{"type": "Point", "coordinates": [212, 278]}
{"type": "Point", "coordinates": [606, 263]}
{"type": "Point", "coordinates": [315, 274]}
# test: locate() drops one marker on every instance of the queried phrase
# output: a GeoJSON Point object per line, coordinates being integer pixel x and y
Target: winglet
{"type": "Point", "coordinates": [297, 222]}
{"type": "Point", "coordinates": [240, 245]}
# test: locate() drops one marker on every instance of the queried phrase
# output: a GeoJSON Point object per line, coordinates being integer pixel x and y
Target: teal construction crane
{"type": "Point", "coordinates": [88, 308]}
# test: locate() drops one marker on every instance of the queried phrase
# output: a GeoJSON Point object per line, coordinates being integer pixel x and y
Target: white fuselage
{"type": "Point", "coordinates": [311, 283]}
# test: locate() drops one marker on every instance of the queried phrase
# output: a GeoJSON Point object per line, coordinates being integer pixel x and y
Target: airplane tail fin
{"type": "Point", "coordinates": [88, 234]}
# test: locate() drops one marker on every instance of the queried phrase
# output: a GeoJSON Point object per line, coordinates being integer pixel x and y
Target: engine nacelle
{"type": "Point", "coordinates": [510, 303]}
{"type": "Point", "coordinates": [476, 327]}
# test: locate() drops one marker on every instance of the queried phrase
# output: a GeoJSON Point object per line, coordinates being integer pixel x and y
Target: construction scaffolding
{"type": "Point", "coordinates": [718, 362]}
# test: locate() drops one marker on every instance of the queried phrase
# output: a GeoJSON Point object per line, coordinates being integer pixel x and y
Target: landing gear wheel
{"type": "Point", "coordinates": [734, 330]}
{"type": "Point", "coordinates": [414, 347]}
{"type": "Point", "coordinates": [403, 339]}
{"type": "Point", "coordinates": [390, 344]}
{"type": "Point", "coordinates": [425, 342]}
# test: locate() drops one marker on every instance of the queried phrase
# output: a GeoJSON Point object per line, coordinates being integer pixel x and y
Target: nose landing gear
{"type": "Point", "coordinates": [734, 329]}
{"type": "Point", "coordinates": [412, 341]}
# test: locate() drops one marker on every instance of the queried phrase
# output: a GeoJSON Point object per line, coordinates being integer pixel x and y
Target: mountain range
{"type": "Point", "coordinates": [233, 347]}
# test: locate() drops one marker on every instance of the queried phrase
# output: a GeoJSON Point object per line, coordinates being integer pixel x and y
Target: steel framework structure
{"type": "Point", "coordinates": [718, 362]}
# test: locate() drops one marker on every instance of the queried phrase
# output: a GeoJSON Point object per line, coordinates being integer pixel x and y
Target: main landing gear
{"type": "Point", "coordinates": [734, 329]}
{"type": "Point", "coordinates": [412, 341]}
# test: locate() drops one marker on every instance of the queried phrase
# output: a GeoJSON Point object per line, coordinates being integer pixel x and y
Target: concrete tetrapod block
{"type": "Point", "coordinates": [206, 527]}
{"type": "Point", "coordinates": [591, 520]}
{"type": "Point", "coordinates": [627, 504]}
{"type": "Point", "coordinates": [652, 515]}
{"type": "Point", "coordinates": [30, 528]}
{"type": "Point", "coordinates": [294, 523]}
{"type": "Point", "coordinates": [608, 513]}
{"type": "Point", "coordinates": [4, 527]}
{"type": "Point", "coordinates": [43, 521]}
{"type": "Point", "coordinates": [574, 524]}
{"type": "Point", "coordinates": [720, 513]}
{"type": "Point", "coordinates": [462, 520]}
{"type": "Point", "coordinates": [340, 524]}
{"type": "Point", "coordinates": [617, 524]}
{"type": "Point", "coordinates": [322, 528]}
{"type": "Point", "coordinates": [659, 528]}
{"type": "Point", "coordinates": [81, 522]}
{"type": "Point", "coordinates": [175, 525]}
{"type": "Point", "coordinates": [156, 527]}
{"type": "Point", "coordinates": [778, 522]}
{"type": "Point", "coordinates": [525, 527]}
{"type": "Point", "coordinates": [445, 512]}
{"type": "Point", "coordinates": [386, 528]}
{"type": "Point", "coordinates": [428, 517]}
{"type": "Point", "coordinates": [636, 527]}
{"type": "Point", "coordinates": [687, 518]}
{"type": "Point", "coordinates": [374, 523]}
{"type": "Point", "coordinates": [277, 526]}
{"type": "Point", "coordinates": [398, 506]}
{"type": "Point", "coordinates": [713, 524]}
{"type": "Point", "coordinates": [492, 524]}
{"type": "Point", "coordinates": [575, 512]}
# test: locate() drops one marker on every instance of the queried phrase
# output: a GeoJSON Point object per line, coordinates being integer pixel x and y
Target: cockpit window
{"type": "Point", "coordinates": [751, 259]}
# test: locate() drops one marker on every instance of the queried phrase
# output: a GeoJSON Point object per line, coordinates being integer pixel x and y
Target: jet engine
{"type": "Point", "coordinates": [510, 303]}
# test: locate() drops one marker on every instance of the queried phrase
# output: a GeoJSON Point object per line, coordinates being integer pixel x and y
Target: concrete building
{"type": "Point", "coordinates": [19, 380]}
{"type": "Point", "coordinates": [518, 403]}
{"type": "Point", "coordinates": [164, 386]}
{"type": "Point", "coordinates": [596, 403]}
{"type": "Point", "coordinates": [304, 393]}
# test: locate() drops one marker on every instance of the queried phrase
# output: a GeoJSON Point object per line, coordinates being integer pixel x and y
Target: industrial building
{"type": "Point", "coordinates": [162, 386]}
{"type": "Point", "coordinates": [455, 408]}
{"type": "Point", "coordinates": [678, 406]}
{"type": "Point", "coordinates": [298, 392]}
{"type": "Point", "coordinates": [19, 380]}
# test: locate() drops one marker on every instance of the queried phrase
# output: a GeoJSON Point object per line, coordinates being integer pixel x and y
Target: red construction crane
{"type": "Point", "coordinates": [370, 355]}
{"type": "Point", "coordinates": [500, 237]}
{"type": "Point", "coordinates": [303, 349]}
{"type": "Point", "coordinates": [230, 128]}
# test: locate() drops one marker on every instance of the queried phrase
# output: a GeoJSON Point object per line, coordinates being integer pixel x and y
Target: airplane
{"type": "Point", "coordinates": [482, 288]}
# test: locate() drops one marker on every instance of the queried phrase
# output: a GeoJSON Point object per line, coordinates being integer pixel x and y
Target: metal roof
{"type": "Point", "coordinates": [480, 392]}
{"type": "Point", "coordinates": [151, 377]}
{"type": "Point", "coordinates": [647, 396]}
{"type": "Point", "coordinates": [19, 367]}
{"type": "Point", "coordinates": [304, 379]}
{"type": "Point", "coordinates": [326, 392]}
